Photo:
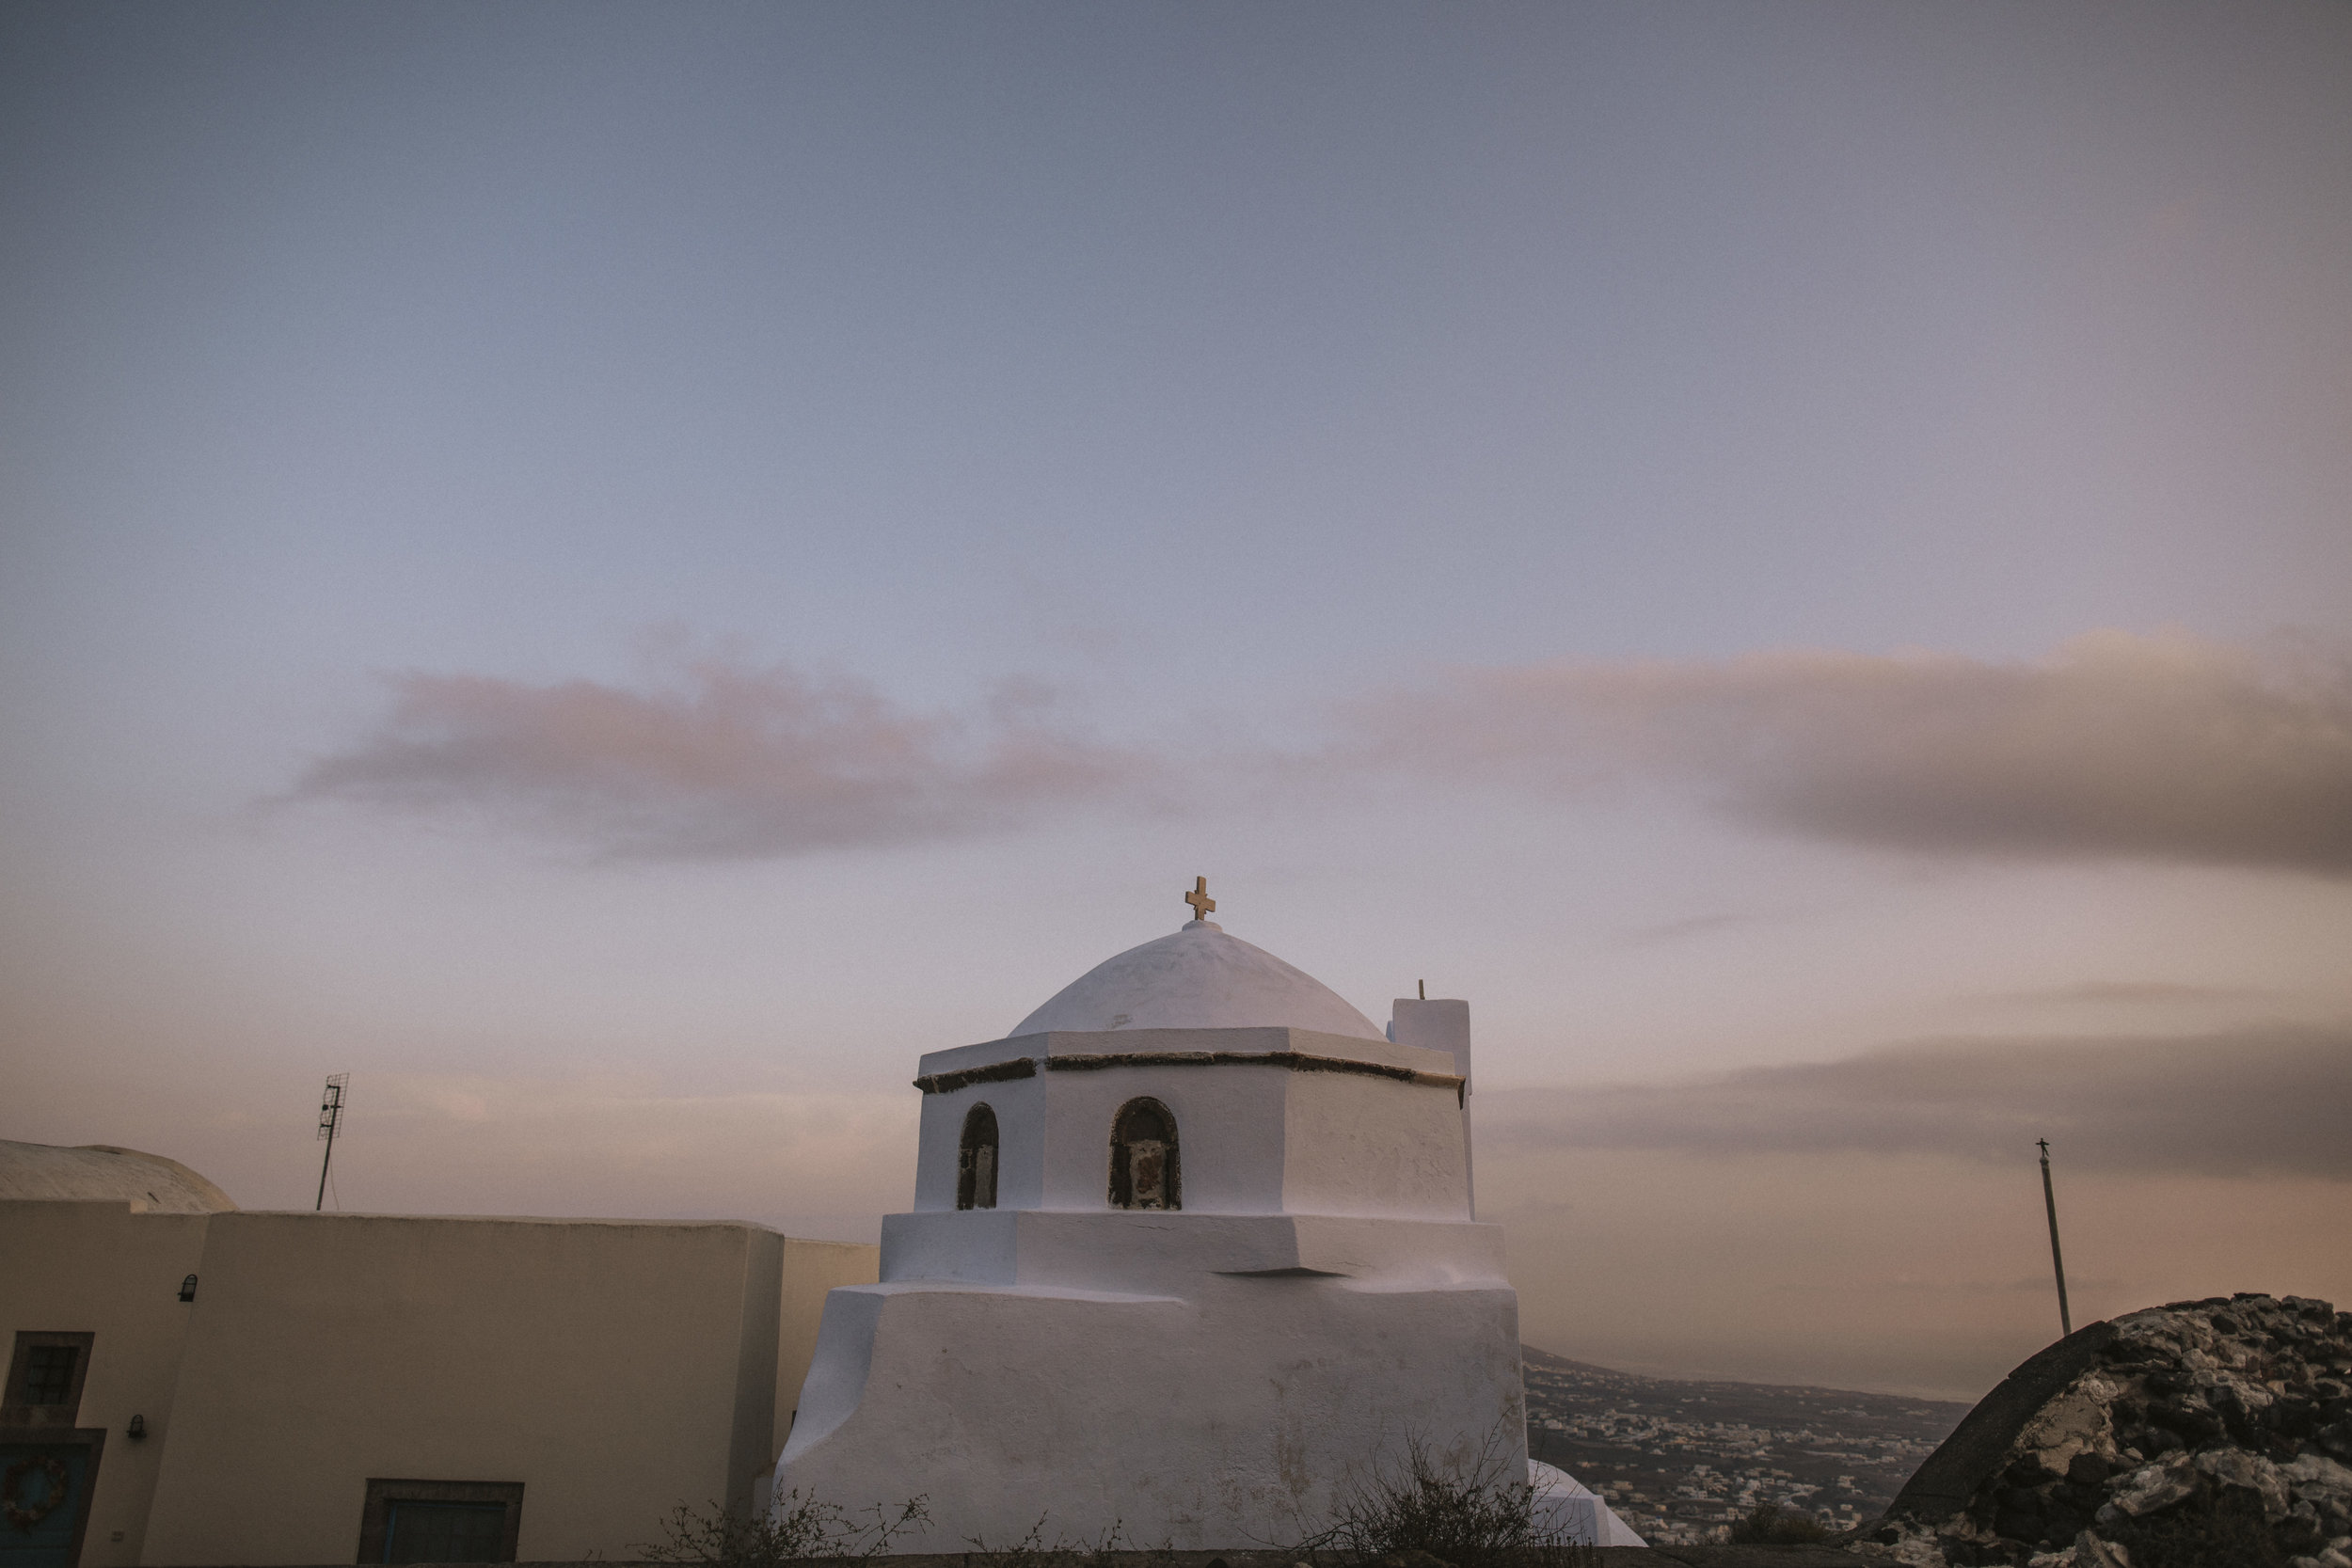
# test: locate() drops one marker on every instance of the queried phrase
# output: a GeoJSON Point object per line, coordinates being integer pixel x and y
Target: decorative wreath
{"type": "Point", "coordinates": [23, 1517]}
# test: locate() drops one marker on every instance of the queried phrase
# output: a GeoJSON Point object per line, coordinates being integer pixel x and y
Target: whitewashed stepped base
{"type": "Point", "coordinates": [1197, 1408]}
{"type": "Point", "coordinates": [1565, 1505]}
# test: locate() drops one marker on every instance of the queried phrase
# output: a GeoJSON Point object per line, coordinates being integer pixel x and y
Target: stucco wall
{"type": "Point", "coordinates": [1373, 1147]}
{"type": "Point", "coordinates": [1214, 1377]}
{"type": "Point", "coordinates": [95, 1266]}
{"type": "Point", "coordinates": [1020, 1106]}
{"type": "Point", "coordinates": [614, 1369]}
{"type": "Point", "coordinates": [1095, 1409]}
{"type": "Point", "coordinates": [810, 1269]}
{"type": "Point", "coordinates": [1254, 1139]}
{"type": "Point", "coordinates": [1229, 1134]}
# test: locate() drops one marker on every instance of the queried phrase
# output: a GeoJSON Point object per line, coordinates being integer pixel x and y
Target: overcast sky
{"type": "Point", "coordinates": [619, 572]}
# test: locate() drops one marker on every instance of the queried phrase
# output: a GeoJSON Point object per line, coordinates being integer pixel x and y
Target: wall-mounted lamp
{"type": "Point", "coordinates": [136, 1430]}
{"type": "Point", "coordinates": [187, 1289]}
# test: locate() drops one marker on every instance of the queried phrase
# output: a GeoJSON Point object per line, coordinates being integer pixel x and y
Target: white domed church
{"type": "Point", "coordinates": [1193, 1249]}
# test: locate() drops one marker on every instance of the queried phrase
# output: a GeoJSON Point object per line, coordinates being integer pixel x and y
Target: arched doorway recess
{"type": "Point", "coordinates": [975, 1160]}
{"type": "Point", "coordinates": [1145, 1172]}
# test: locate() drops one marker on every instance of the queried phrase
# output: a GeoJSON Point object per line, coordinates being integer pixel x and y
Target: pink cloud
{"type": "Point", "coordinates": [2152, 746]}
{"type": "Point", "coordinates": [735, 762]}
{"type": "Point", "coordinates": [2116, 745]}
{"type": "Point", "coordinates": [2263, 1100]}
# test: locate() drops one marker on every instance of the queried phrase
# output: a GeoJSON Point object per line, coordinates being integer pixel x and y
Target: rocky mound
{"type": "Point", "coordinates": [2211, 1434]}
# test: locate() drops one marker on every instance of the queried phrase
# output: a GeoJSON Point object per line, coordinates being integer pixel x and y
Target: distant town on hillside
{"type": "Point", "coordinates": [1678, 1459]}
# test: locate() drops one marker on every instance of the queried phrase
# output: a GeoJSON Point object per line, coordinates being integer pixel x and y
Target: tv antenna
{"type": "Point", "coordinates": [2058, 1263]}
{"type": "Point", "coordinates": [330, 1117]}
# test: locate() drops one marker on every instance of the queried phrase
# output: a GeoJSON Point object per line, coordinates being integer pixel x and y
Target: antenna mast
{"type": "Point", "coordinates": [331, 1116]}
{"type": "Point", "coordinates": [2057, 1262]}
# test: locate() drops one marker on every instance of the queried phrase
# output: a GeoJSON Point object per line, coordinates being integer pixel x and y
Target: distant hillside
{"type": "Point", "coordinates": [1675, 1458]}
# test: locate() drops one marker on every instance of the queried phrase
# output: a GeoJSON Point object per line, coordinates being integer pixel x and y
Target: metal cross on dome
{"type": "Point", "coordinates": [1202, 905]}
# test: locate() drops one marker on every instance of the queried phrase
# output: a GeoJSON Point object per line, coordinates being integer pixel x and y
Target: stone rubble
{"type": "Point", "coordinates": [2205, 1431]}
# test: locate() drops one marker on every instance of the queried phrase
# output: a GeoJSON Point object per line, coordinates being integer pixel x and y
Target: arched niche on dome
{"type": "Point", "coordinates": [975, 1160]}
{"type": "Point", "coordinates": [1145, 1171]}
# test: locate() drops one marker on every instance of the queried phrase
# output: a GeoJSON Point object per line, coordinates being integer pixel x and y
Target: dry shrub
{"type": "Point", "coordinates": [1771, 1525]}
{"type": "Point", "coordinates": [1112, 1549]}
{"type": "Point", "coordinates": [803, 1527]}
{"type": "Point", "coordinates": [1473, 1515]}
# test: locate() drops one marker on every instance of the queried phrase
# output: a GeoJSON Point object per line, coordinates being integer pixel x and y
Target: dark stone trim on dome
{"type": "Point", "coordinates": [1296, 1061]}
{"type": "Point", "coordinates": [948, 1083]}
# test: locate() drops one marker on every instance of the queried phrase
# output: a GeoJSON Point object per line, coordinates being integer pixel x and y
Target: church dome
{"type": "Point", "coordinates": [1196, 978]}
{"type": "Point", "coordinates": [150, 1182]}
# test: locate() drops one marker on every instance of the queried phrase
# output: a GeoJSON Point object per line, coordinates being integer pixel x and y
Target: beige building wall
{"type": "Point", "coordinates": [614, 1369]}
{"type": "Point", "coordinates": [98, 1266]}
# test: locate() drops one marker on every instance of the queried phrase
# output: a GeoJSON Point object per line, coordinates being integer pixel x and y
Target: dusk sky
{"type": "Point", "coordinates": [617, 573]}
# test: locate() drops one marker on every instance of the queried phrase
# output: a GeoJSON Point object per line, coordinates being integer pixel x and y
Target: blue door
{"type": "Point", "coordinates": [44, 1493]}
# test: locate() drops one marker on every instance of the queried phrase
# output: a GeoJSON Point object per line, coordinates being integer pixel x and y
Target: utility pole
{"type": "Point", "coordinates": [331, 1116]}
{"type": "Point", "coordinates": [2058, 1260]}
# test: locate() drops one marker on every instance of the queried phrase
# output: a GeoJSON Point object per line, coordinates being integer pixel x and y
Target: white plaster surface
{"type": "Point", "coordinates": [1253, 1139]}
{"type": "Point", "coordinates": [1441, 1023]}
{"type": "Point", "coordinates": [1565, 1505]}
{"type": "Point", "coordinates": [1226, 1417]}
{"type": "Point", "coordinates": [1215, 1377]}
{"type": "Point", "coordinates": [1164, 1254]}
{"type": "Point", "coordinates": [1197, 978]}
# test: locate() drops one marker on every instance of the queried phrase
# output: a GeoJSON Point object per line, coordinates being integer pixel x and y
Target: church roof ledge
{"type": "Point", "coordinates": [1253, 1040]}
